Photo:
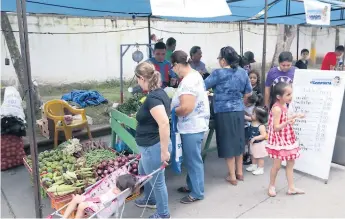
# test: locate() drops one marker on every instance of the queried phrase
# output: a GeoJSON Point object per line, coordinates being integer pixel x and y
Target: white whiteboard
{"type": "Point", "coordinates": [319, 95]}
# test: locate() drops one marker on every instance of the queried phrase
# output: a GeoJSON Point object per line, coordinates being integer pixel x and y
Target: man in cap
{"type": "Point", "coordinates": [248, 59]}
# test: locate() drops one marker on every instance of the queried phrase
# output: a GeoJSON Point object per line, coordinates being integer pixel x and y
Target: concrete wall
{"type": "Point", "coordinates": [78, 55]}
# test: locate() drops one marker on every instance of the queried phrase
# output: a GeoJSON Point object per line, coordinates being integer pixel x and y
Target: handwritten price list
{"type": "Point", "coordinates": [316, 104]}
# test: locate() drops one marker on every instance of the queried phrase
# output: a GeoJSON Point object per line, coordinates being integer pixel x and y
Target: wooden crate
{"type": "Point", "coordinates": [58, 203]}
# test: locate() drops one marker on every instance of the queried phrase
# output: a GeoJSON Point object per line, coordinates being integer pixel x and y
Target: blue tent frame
{"type": "Point", "coordinates": [269, 12]}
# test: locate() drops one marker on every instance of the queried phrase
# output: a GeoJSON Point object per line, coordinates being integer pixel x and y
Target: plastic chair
{"type": "Point", "coordinates": [55, 110]}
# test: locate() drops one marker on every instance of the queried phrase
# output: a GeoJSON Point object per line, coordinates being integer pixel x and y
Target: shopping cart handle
{"type": "Point", "coordinates": [164, 166]}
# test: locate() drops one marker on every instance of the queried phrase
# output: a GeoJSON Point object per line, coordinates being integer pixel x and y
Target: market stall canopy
{"type": "Point", "coordinates": [241, 9]}
{"type": "Point", "coordinates": [190, 8]}
{"type": "Point", "coordinates": [290, 12]}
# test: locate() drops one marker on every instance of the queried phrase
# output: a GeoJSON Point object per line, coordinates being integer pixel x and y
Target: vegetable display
{"type": "Point", "coordinates": [71, 147]}
{"type": "Point", "coordinates": [74, 166]}
{"type": "Point", "coordinates": [62, 173]}
{"type": "Point", "coordinates": [95, 156]}
{"type": "Point", "coordinates": [106, 167]}
{"type": "Point", "coordinates": [132, 105]}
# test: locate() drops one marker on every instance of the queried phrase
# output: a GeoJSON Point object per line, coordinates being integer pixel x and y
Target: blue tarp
{"type": "Point", "coordinates": [242, 10]}
{"type": "Point", "coordinates": [85, 98]}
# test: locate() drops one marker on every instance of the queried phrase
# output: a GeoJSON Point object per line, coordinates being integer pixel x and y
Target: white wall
{"type": "Point", "coordinates": [66, 58]}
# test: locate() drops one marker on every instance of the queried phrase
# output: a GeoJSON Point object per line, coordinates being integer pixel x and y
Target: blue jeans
{"type": "Point", "coordinates": [191, 146]}
{"type": "Point", "coordinates": [149, 162]}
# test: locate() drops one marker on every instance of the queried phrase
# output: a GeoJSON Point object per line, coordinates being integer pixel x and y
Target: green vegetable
{"type": "Point", "coordinates": [95, 156]}
{"type": "Point", "coordinates": [132, 105]}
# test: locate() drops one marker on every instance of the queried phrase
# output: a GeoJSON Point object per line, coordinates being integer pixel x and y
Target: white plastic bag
{"type": "Point", "coordinates": [176, 153]}
{"type": "Point", "coordinates": [12, 105]}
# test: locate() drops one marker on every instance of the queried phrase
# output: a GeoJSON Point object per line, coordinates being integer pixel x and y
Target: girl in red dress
{"type": "Point", "coordinates": [281, 143]}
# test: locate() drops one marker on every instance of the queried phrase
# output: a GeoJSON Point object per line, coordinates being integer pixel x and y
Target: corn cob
{"type": "Point", "coordinates": [61, 188]}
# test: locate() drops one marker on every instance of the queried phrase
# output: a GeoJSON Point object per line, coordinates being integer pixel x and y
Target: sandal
{"type": "Point", "coordinates": [272, 192]}
{"type": "Point", "coordinates": [231, 181]}
{"type": "Point", "coordinates": [183, 190]}
{"type": "Point", "coordinates": [295, 192]}
{"type": "Point", "coordinates": [188, 200]}
{"type": "Point", "coordinates": [239, 177]}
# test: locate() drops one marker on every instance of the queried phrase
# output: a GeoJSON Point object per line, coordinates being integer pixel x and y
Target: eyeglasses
{"type": "Point", "coordinates": [173, 65]}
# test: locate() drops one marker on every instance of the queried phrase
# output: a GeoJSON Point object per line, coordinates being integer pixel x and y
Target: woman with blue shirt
{"type": "Point", "coordinates": [230, 85]}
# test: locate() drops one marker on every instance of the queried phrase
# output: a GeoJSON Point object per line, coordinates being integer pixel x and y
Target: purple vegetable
{"type": "Point", "coordinates": [105, 171]}
{"type": "Point", "coordinates": [135, 166]}
{"type": "Point", "coordinates": [99, 172]}
{"type": "Point", "coordinates": [104, 163]}
{"type": "Point", "coordinates": [111, 169]}
{"type": "Point", "coordinates": [135, 171]}
{"type": "Point", "coordinates": [102, 175]}
{"type": "Point", "coordinates": [111, 162]}
{"type": "Point", "coordinates": [116, 163]}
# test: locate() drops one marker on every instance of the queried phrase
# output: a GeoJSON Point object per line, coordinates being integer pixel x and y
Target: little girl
{"type": "Point", "coordinates": [282, 144]}
{"type": "Point", "coordinates": [254, 78]}
{"type": "Point", "coordinates": [249, 103]}
{"type": "Point", "coordinates": [257, 136]}
{"type": "Point", "coordinates": [82, 202]}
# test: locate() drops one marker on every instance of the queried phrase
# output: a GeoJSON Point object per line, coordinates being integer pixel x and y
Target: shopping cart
{"type": "Point", "coordinates": [102, 186]}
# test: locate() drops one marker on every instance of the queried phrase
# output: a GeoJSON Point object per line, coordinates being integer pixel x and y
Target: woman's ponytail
{"type": "Point", "coordinates": [155, 80]}
{"type": "Point", "coordinates": [147, 71]}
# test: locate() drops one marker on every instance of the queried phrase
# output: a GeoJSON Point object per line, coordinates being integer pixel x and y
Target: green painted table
{"type": "Point", "coordinates": [121, 121]}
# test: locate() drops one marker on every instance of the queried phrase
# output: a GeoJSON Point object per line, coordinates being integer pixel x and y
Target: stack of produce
{"type": "Point", "coordinates": [94, 157]}
{"type": "Point", "coordinates": [132, 105]}
{"type": "Point", "coordinates": [69, 182]}
{"type": "Point", "coordinates": [12, 151]}
{"type": "Point", "coordinates": [106, 167]}
{"type": "Point", "coordinates": [63, 170]}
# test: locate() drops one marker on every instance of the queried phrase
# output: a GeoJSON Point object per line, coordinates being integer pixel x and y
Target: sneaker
{"type": "Point", "coordinates": [156, 215]}
{"type": "Point", "coordinates": [252, 168]}
{"type": "Point", "coordinates": [258, 171]}
{"type": "Point", "coordinates": [141, 203]}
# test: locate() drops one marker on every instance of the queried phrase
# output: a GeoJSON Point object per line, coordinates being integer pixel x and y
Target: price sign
{"type": "Point", "coordinates": [319, 95]}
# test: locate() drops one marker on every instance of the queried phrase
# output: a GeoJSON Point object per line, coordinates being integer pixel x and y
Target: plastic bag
{"type": "Point", "coordinates": [176, 153]}
{"type": "Point", "coordinates": [12, 105]}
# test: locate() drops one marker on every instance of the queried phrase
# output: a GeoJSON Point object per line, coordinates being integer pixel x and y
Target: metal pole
{"type": "Point", "coordinates": [242, 38]}
{"type": "Point", "coordinates": [28, 90]}
{"type": "Point", "coordinates": [240, 28]}
{"type": "Point", "coordinates": [263, 67]}
{"type": "Point", "coordinates": [297, 52]}
{"type": "Point", "coordinates": [121, 75]}
{"type": "Point", "coordinates": [342, 68]}
{"type": "Point", "coordinates": [149, 31]}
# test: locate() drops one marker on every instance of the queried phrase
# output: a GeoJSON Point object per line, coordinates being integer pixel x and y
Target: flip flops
{"type": "Point", "coordinates": [183, 190]}
{"type": "Point", "coordinates": [272, 191]}
{"type": "Point", "coordinates": [232, 182]}
{"type": "Point", "coordinates": [295, 192]}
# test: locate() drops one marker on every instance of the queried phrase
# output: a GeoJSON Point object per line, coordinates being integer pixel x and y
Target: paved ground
{"type": "Point", "coordinates": [247, 200]}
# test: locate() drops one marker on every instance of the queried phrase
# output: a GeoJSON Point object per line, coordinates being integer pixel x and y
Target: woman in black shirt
{"type": "Point", "coordinates": [153, 138]}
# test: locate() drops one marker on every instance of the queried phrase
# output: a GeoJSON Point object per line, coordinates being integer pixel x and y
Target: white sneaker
{"type": "Point", "coordinates": [258, 171]}
{"type": "Point", "coordinates": [252, 167]}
